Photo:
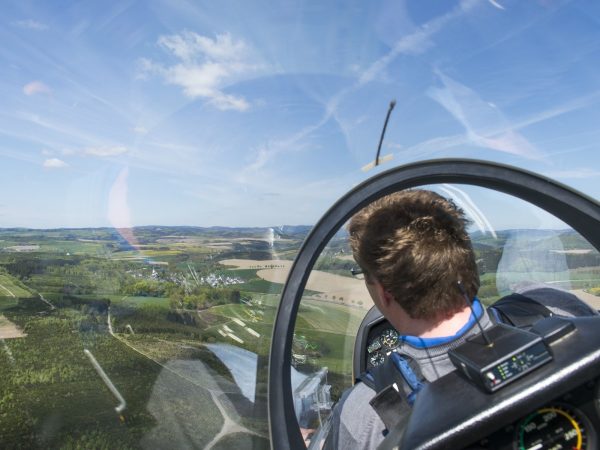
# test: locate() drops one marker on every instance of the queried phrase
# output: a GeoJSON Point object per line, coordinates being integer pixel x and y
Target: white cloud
{"type": "Point", "coordinates": [206, 66]}
{"type": "Point", "coordinates": [36, 87]}
{"type": "Point", "coordinates": [54, 163]}
{"type": "Point", "coordinates": [189, 47]}
{"type": "Point", "coordinates": [103, 151]}
{"type": "Point", "coordinates": [224, 102]}
{"type": "Point", "coordinates": [31, 25]}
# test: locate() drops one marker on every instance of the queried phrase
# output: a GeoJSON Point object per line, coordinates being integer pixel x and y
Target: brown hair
{"type": "Point", "coordinates": [415, 244]}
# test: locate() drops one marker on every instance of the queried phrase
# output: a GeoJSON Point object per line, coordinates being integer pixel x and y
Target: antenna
{"type": "Point", "coordinates": [462, 290]}
{"type": "Point", "coordinates": [387, 117]}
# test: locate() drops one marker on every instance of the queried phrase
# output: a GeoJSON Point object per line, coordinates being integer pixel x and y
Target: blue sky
{"type": "Point", "coordinates": [263, 113]}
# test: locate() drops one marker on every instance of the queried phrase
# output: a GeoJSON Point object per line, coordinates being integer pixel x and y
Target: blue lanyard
{"type": "Point", "coordinates": [420, 342]}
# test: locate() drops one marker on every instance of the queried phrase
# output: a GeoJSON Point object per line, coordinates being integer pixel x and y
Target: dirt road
{"type": "Point", "coordinates": [7, 290]}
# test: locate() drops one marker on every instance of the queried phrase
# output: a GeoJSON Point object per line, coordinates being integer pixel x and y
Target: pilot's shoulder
{"type": "Point", "coordinates": [360, 426]}
{"type": "Point", "coordinates": [360, 392]}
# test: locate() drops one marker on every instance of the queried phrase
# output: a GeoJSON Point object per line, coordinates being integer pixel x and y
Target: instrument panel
{"type": "Point", "coordinates": [569, 422]}
{"type": "Point", "coordinates": [381, 341]}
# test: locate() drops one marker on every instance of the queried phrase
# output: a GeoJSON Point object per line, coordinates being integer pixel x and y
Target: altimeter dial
{"type": "Point", "coordinates": [390, 338]}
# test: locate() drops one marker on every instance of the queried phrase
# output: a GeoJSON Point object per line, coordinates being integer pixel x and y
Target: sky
{"type": "Point", "coordinates": [263, 113]}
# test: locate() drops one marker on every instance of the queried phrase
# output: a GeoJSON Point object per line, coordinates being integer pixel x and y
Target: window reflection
{"type": "Point", "coordinates": [159, 344]}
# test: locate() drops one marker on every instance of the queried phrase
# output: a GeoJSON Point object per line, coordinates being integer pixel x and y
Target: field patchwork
{"type": "Point", "coordinates": [329, 287]}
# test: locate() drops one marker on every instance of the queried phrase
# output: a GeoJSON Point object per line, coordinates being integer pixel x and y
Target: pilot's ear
{"type": "Point", "coordinates": [385, 297]}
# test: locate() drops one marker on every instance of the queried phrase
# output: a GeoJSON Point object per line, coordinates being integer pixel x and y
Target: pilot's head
{"type": "Point", "coordinates": [414, 247]}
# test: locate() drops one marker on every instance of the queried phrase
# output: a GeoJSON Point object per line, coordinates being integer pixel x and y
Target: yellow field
{"type": "Point", "coordinates": [284, 264]}
{"type": "Point", "coordinates": [331, 287]}
{"type": "Point", "coordinates": [9, 330]}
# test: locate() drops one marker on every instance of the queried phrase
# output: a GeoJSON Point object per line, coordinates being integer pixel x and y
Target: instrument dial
{"type": "Point", "coordinates": [556, 427]}
{"type": "Point", "coordinates": [390, 338]}
{"type": "Point", "coordinates": [376, 359]}
{"type": "Point", "coordinates": [374, 345]}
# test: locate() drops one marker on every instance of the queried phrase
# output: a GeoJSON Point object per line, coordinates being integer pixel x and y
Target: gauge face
{"type": "Point", "coordinates": [376, 359]}
{"type": "Point", "coordinates": [390, 338]}
{"type": "Point", "coordinates": [374, 345]}
{"type": "Point", "coordinates": [552, 427]}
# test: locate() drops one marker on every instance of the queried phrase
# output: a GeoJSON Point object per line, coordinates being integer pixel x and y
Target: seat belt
{"type": "Point", "coordinates": [396, 383]}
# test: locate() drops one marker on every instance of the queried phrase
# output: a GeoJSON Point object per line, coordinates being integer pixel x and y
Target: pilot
{"type": "Point", "coordinates": [419, 267]}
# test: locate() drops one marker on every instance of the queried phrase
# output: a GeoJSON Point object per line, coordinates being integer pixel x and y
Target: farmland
{"type": "Point", "coordinates": [179, 319]}
{"type": "Point", "coordinates": [154, 314]}
{"type": "Point", "coordinates": [137, 311]}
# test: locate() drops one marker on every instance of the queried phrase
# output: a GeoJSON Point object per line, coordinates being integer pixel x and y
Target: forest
{"type": "Point", "coordinates": [145, 314]}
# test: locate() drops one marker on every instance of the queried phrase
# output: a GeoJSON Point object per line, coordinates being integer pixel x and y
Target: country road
{"type": "Point", "coordinates": [42, 298]}
{"type": "Point", "coordinates": [7, 290]}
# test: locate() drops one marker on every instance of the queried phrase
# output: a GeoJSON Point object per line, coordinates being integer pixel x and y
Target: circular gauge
{"type": "Point", "coordinates": [390, 338]}
{"type": "Point", "coordinates": [374, 345]}
{"type": "Point", "coordinates": [377, 359]}
{"type": "Point", "coordinates": [554, 426]}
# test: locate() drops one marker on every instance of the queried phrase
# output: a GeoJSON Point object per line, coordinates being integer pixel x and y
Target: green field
{"type": "Point", "coordinates": [152, 349]}
{"type": "Point", "coordinates": [50, 391]}
{"type": "Point", "coordinates": [134, 302]}
{"type": "Point", "coordinates": [11, 287]}
{"type": "Point", "coordinates": [580, 278]}
{"type": "Point", "coordinates": [166, 380]}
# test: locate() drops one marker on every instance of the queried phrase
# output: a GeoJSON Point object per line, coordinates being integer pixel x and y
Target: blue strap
{"type": "Point", "coordinates": [420, 342]}
{"type": "Point", "coordinates": [409, 375]}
